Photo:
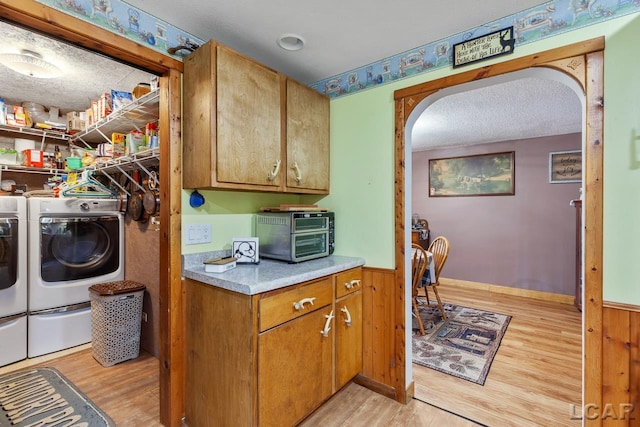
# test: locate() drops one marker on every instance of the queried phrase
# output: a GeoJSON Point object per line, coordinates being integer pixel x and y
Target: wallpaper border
{"type": "Point", "coordinates": [547, 20]}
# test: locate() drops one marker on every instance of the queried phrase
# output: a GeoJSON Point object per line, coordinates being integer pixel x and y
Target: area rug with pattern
{"type": "Point", "coordinates": [44, 397]}
{"type": "Point", "coordinates": [464, 345]}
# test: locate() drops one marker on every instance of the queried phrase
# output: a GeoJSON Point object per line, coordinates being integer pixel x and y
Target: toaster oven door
{"type": "Point", "coordinates": [305, 246]}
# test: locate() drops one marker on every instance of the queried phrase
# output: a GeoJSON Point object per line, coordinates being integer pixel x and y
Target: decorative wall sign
{"type": "Point", "coordinates": [479, 175]}
{"type": "Point", "coordinates": [245, 250]}
{"type": "Point", "coordinates": [565, 166]}
{"type": "Point", "coordinates": [494, 44]}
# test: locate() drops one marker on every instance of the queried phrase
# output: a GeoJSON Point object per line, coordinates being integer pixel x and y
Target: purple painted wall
{"type": "Point", "coordinates": [524, 241]}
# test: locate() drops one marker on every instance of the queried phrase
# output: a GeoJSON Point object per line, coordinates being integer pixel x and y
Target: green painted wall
{"type": "Point", "coordinates": [622, 163]}
{"type": "Point", "coordinates": [362, 144]}
{"type": "Point", "coordinates": [362, 180]}
{"type": "Point", "coordinates": [231, 214]}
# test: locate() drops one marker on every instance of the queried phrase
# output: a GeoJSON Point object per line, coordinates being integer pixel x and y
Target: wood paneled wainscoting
{"type": "Point", "coordinates": [379, 352]}
{"type": "Point", "coordinates": [620, 367]}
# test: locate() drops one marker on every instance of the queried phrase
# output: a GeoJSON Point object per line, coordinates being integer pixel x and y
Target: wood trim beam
{"type": "Point", "coordinates": [400, 305]}
{"type": "Point", "coordinates": [53, 23]}
{"type": "Point", "coordinates": [172, 292]}
{"type": "Point", "coordinates": [593, 247]}
{"type": "Point", "coordinates": [572, 50]}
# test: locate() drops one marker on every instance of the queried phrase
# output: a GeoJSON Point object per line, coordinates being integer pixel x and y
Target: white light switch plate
{"type": "Point", "coordinates": [197, 234]}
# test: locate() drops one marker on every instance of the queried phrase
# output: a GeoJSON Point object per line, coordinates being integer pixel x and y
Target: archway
{"type": "Point", "coordinates": [577, 61]}
{"type": "Point", "coordinates": [485, 249]}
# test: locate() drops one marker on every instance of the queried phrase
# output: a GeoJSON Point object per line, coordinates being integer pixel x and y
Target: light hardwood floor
{"type": "Point", "coordinates": [535, 376]}
{"type": "Point", "coordinates": [533, 380]}
{"type": "Point", "coordinates": [128, 392]}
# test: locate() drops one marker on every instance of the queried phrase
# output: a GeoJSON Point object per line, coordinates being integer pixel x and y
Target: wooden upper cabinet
{"type": "Point", "coordinates": [247, 127]}
{"type": "Point", "coordinates": [307, 139]}
{"type": "Point", "coordinates": [232, 121]}
{"type": "Point", "coordinates": [249, 117]}
{"type": "Point", "coordinates": [199, 114]}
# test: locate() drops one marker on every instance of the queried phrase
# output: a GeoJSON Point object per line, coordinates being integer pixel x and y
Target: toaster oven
{"type": "Point", "coordinates": [295, 236]}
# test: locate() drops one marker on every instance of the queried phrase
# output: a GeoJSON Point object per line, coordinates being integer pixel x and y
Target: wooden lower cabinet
{"type": "Point", "coordinates": [294, 369]}
{"type": "Point", "coordinates": [270, 359]}
{"type": "Point", "coordinates": [348, 325]}
{"type": "Point", "coordinates": [348, 338]}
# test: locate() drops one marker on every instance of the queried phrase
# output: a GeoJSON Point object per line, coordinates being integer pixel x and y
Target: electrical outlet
{"type": "Point", "coordinates": [197, 234]}
{"type": "Point", "coordinates": [144, 317]}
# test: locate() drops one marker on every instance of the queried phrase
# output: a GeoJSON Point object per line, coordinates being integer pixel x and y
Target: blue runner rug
{"type": "Point", "coordinates": [44, 397]}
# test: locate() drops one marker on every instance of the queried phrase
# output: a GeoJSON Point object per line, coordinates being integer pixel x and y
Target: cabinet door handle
{"type": "Point", "coordinates": [274, 173]}
{"type": "Point", "coordinates": [296, 169]}
{"type": "Point", "coordinates": [345, 310]}
{"type": "Point", "coordinates": [327, 328]}
{"type": "Point", "coordinates": [352, 284]}
{"type": "Point", "coordinates": [299, 305]}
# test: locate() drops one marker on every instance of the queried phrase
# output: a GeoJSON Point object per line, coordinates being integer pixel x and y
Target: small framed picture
{"type": "Point", "coordinates": [245, 250]}
{"type": "Point", "coordinates": [565, 166]}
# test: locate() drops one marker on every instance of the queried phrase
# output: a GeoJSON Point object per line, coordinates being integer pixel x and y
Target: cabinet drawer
{"type": "Point", "coordinates": [296, 302]}
{"type": "Point", "coordinates": [348, 281]}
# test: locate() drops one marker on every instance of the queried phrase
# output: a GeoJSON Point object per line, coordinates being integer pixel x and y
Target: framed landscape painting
{"type": "Point", "coordinates": [478, 175]}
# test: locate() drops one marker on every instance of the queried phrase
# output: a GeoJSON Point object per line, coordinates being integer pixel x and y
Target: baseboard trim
{"type": "Point", "coordinates": [498, 289]}
{"type": "Point", "coordinates": [410, 392]}
{"type": "Point", "coordinates": [376, 386]}
{"type": "Point", "coordinates": [27, 363]}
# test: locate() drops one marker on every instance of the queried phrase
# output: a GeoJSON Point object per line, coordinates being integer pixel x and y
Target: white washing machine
{"type": "Point", "coordinates": [73, 243]}
{"type": "Point", "coordinates": [13, 279]}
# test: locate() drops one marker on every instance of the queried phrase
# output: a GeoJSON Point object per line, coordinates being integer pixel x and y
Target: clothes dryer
{"type": "Point", "coordinates": [73, 243]}
{"type": "Point", "coordinates": [13, 279]}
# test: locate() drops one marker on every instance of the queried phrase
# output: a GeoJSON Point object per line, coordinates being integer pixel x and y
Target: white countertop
{"type": "Point", "coordinates": [251, 279]}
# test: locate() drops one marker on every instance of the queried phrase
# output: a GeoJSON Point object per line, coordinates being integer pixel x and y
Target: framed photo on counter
{"type": "Point", "coordinates": [245, 250]}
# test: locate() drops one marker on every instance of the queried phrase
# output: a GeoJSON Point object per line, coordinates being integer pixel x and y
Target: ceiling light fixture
{"type": "Point", "coordinates": [291, 42]}
{"type": "Point", "coordinates": [30, 63]}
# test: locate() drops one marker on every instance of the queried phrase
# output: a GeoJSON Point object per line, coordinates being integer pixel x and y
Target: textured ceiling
{"type": "Point", "coordinates": [527, 107]}
{"type": "Point", "coordinates": [340, 36]}
{"type": "Point", "coordinates": [86, 74]}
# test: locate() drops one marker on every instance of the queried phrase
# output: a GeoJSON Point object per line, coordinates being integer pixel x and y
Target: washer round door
{"type": "Point", "coordinates": [78, 248]}
{"type": "Point", "coordinates": [8, 252]}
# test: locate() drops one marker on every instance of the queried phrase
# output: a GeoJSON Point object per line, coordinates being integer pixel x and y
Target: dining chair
{"type": "Point", "coordinates": [418, 267]}
{"type": "Point", "coordinates": [439, 249]}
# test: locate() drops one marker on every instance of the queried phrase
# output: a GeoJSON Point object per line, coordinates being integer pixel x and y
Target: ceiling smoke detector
{"type": "Point", "coordinates": [31, 64]}
{"type": "Point", "coordinates": [291, 42]}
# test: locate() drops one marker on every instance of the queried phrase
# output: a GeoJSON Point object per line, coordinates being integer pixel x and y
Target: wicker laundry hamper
{"type": "Point", "coordinates": [116, 317]}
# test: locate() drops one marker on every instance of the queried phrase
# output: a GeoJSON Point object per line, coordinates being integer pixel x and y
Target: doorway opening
{"type": "Point", "coordinates": [68, 29]}
{"type": "Point", "coordinates": [494, 257]}
{"type": "Point", "coordinates": [576, 60]}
